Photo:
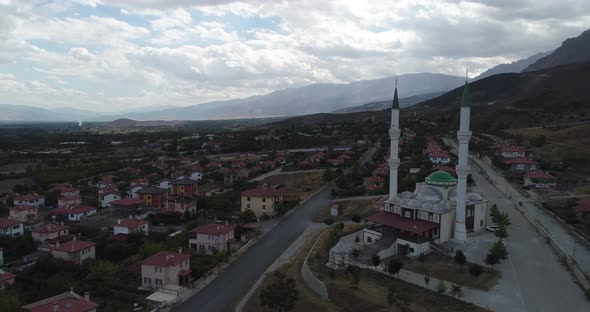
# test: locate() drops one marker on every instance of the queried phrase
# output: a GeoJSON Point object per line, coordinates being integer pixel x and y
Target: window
{"type": "Point", "coordinates": [369, 239]}
{"type": "Point", "coordinates": [158, 282]}
{"type": "Point", "coordinates": [408, 214]}
{"type": "Point", "coordinates": [248, 205]}
{"type": "Point", "coordinates": [480, 222]}
{"type": "Point", "coordinates": [147, 280]}
{"type": "Point", "coordinates": [158, 269]}
{"type": "Point", "coordinates": [435, 218]}
{"type": "Point", "coordinates": [248, 198]}
{"type": "Point", "coordinates": [263, 206]}
{"type": "Point", "coordinates": [264, 199]}
{"type": "Point", "coordinates": [396, 209]}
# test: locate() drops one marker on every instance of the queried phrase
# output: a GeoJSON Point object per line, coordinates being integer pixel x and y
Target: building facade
{"type": "Point", "coordinates": [211, 238]}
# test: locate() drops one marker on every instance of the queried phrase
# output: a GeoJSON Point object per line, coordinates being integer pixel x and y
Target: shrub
{"type": "Point", "coordinates": [329, 221]}
{"type": "Point", "coordinates": [375, 260]}
{"type": "Point", "coordinates": [475, 269]}
{"type": "Point", "coordinates": [441, 287]}
{"type": "Point", "coordinates": [356, 218]}
{"type": "Point", "coordinates": [460, 257]}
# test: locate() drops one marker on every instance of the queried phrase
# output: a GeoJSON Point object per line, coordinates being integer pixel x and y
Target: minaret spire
{"type": "Point", "coordinates": [463, 135]}
{"type": "Point", "coordinates": [394, 134]}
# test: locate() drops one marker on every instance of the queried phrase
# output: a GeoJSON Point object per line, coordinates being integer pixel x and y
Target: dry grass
{"type": "Point", "coordinates": [8, 184]}
{"type": "Point", "coordinates": [298, 185]}
{"type": "Point", "coordinates": [443, 267]}
{"type": "Point", "coordinates": [361, 207]}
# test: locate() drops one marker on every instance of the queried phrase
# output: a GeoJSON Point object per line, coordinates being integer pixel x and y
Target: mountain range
{"type": "Point", "coordinates": [572, 50]}
{"type": "Point", "coordinates": [514, 67]}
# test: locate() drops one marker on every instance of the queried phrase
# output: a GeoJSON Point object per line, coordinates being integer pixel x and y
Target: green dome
{"type": "Point", "coordinates": [441, 178]}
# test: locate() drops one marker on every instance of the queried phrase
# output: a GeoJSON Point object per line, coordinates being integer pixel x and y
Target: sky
{"type": "Point", "coordinates": [121, 55]}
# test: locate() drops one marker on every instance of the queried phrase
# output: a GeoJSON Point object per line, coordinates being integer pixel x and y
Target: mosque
{"type": "Point", "coordinates": [439, 210]}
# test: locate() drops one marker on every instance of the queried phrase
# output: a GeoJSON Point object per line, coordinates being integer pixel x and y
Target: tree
{"type": "Point", "coordinates": [329, 175]}
{"type": "Point", "coordinates": [491, 259]}
{"type": "Point", "coordinates": [475, 269]}
{"type": "Point", "coordinates": [457, 291]}
{"type": "Point", "coordinates": [499, 250]}
{"type": "Point", "coordinates": [427, 279]}
{"type": "Point", "coordinates": [375, 260]}
{"type": "Point", "coordinates": [394, 267]}
{"type": "Point", "coordinates": [460, 257]}
{"type": "Point", "coordinates": [355, 253]}
{"type": "Point", "coordinates": [281, 295]}
{"type": "Point", "coordinates": [356, 218]}
{"type": "Point", "coordinates": [247, 216]}
{"type": "Point", "coordinates": [501, 232]}
{"type": "Point", "coordinates": [9, 302]}
{"type": "Point", "coordinates": [441, 287]}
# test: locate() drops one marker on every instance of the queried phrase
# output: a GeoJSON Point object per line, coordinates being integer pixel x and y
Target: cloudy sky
{"type": "Point", "coordinates": [118, 55]}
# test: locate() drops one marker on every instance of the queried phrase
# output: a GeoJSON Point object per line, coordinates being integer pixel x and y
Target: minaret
{"type": "Point", "coordinates": [394, 133]}
{"type": "Point", "coordinates": [463, 135]}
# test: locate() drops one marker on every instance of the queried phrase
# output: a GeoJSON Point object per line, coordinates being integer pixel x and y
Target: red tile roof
{"type": "Point", "coordinates": [512, 149]}
{"type": "Point", "coordinates": [520, 161]}
{"type": "Point", "coordinates": [77, 209]}
{"type": "Point", "coordinates": [4, 276]}
{"type": "Point", "coordinates": [263, 192]}
{"type": "Point", "coordinates": [166, 258]}
{"type": "Point", "coordinates": [28, 197]}
{"type": "Point", "coordinates": [49, 228]}
{"type": "Point", "coordinates": [584, 202]}
{"type": "Point", "coordinates": [438, 155]}
{"type": "Point", "coordinates": [23, 208]}
{"type": "Point", "coordinates": [130, 223]}
{"type": "Point", "coordinates": [539, 175]}
{"type": "Point", "coordinates": [127, 202]}
{"type": "Point", "coordinates": [213, 228]}
{"type": "Point", "coordinates": [373, 180]}
{"type": "Point", "coordinates": [66, 302]}
{"type": "Point", "coordinates": [401, 223]}
{"type": "Point", "coordinates": [8, 222]}
{"type": "Point", "coordinates": [73, 246]}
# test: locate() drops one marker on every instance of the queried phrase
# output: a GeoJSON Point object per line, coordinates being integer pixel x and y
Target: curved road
{"type": "Point", "coordinates": [224, 290]}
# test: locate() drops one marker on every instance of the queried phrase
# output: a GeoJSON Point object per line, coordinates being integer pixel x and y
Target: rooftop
{"type": "Point", "coordinates": [538, 175]}
{"type": "Point", "coordinates": [127, 202]}
{"type": "Point", "coordinates": [263, 192]}
{"type": "Point", "coordinates": [8, 222]}
{"type": "Point", "coordinates": [152, 190]}
{"type": "Point", "coordinates": [401, 223]}
{"type": "Point", "coordinates": [28, 197]}
{"type": "Point", "coordinates": [130, 223]}
{"type": "Point", "coordinates": [66, 302]}
{"type": "Point", "coordinates": [166, 258]}
{"type": "Point", "coordinates": [441, 178]}
{"type": "Point", "coordinates": [213, 228]}
{"type": "Point", "coordinates": [49, 228]}
{"type": "Point", "coordinates": [520, 161]}
{"type": "Point", "coordinates": [23, 208]}
{"type": "Point", "coordinates": [73, 246]}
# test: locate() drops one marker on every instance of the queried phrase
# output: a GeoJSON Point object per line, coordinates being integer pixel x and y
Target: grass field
{"type": "Point", "coordinates": [361, 207]}
{"type": "Point", "coordinates": [443, 267]}
{"type": "Point", "coordinates": [8, 184]}
{"type": "Point", "coordinates": [369, 295]}
{"type": "Point", "coordinates": [299, 185]}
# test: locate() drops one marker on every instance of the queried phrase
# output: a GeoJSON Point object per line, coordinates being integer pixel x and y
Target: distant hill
{"type": "Point", "coordinates": [129, 123]}
{"type": "Point", "coordinates": [30, 113]}
{"type": "Point", "coordinates": [377, 106]}
{"type": "Point", "coordinates": [315, 98]}
{"type": "Point", "coordinates": [572, 50]}
{"type": "Point", "coordinates": [514, 67]}
{"type": "Point", "coordinates": [558, 95]}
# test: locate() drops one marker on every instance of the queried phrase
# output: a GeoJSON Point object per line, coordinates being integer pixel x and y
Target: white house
{"type": "Point", "coordinates": [130, 226]}
{"type": "Point", "coordinates": [132, 191]}
{"type": "Point", "coordinates": [74, 213]}
{"type": "Point", "coordinates": [30, 200]}
{"type": "Point", "coordinates": [165, 184]}
{"type": "Point", "coordinates": [439, 158]}
{"type": "Point", "coordinates": [107, 198]}
{"type": "Point", "coordinates": [197, 176]}
{"type": "Point", "coordinates": [11, 227]}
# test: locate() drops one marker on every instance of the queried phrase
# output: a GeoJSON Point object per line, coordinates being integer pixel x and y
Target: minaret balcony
{"type": "Point", "coordinates": [394, 133]}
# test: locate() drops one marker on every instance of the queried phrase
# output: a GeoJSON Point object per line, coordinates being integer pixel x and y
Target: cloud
{"type": "Point", "coordinates": [182, 52]}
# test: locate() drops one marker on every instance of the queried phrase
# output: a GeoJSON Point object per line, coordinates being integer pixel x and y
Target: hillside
{"type": "Point", "coordinates": [572, 50]}
{"type": "Point", "coordinates": [377, 106]}
{"type": "Point", "coordinates": [316, 98]}
{"type": "Point", "coordinates": [558, 95]}
{"type": "Point", "coordinates": [514, 67]}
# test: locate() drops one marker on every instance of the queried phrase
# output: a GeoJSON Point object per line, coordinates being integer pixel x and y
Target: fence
{"type": "Point", "coordinates": [310, 279]}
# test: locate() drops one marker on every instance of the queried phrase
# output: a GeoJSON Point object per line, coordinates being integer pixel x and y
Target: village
{"type": "Point", "coordinates": [158, 219]}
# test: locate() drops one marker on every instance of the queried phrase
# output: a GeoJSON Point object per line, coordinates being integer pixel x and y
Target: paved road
{"type": "Point", "coordinates": [533, 279]}
{"type": "Point", "coordinates": [220, 294]}
{"type": "Point", "coordinates": [570, 244]}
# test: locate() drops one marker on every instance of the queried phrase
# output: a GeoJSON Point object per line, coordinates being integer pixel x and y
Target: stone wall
{"type": "Point", "coordinates": [310, 279]}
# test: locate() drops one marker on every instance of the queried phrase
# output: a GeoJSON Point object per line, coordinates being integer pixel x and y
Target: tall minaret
{"type": "Point", "coordinates": [463, 135]}
{"type": "Point", "coordinates": [394, 133]}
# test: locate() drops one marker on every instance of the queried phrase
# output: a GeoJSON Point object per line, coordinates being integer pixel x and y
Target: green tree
{"type": "Point", "coordinates": [499, 250]}
{"type": "Point", "coordinates": [9, 302]}
{"type": "Point", "coordinates": [441, 287]}
{"type": "Point", "coordinates": [394, 267]}
{"type": "Point", "coordinates": [501, 232]}
{"type": "Point", "coordinates": [460, 257]}
{"type": "Point", "coordinates": [281, 295]}
{"type": "Point", "coordinates": [457, 291]}
{"type": "Point", "coordinates": [491, 259]}
{"type": "Point", "coordinates": [375, 260]}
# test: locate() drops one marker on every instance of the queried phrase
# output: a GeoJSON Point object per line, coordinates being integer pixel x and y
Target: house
{"type": "Point", "coordinates": [74, 213]}
{"type": "Point", "coordinates": [25, 214]}
{"type": "Point", "coordinates": [75, 251]}
{"type": "Point", "coordinates": [336, 161]}
{"type": "Point", "coordinates": [539, 179]}
{"type": "Point", "coordinates": [212, 237]}
{"type": "Point", "coordinates": [6, 279]}
{"type": "Point", "coordinates": [197, 176]}
{"type": "Point", "coordinates": [165, 268]}
{"type": "Point", "coordinates": [132, 190]}
{"type": "Point", "coordinates": [127, 206]}
{"type": "Point", "coordinates": [439, 157]}
{"type": "Point", "coordinates": [68, 191]}
{"type": "Point", "coordinates": [11, 227]}
{"type": "Point", "coordinates": [186, 187]}
{"type": "Point", "coordinates": [511, 151]}
{"type": "Point", "coordinates": [30, 200]}
{"type": "Point", "coordinates": [165, 184]}
{"type": "Point", "coordinates": [182, 204]}
{"type": "Point", "coordinates": [49, 232]}
{"type": "Point", "coordinates": [153, 196]}
{"type": "Point", "coordinates": [106, 199]}
{"type": "Point", "coordinates": [65, 201]}
{"type": "Point", "coordinates": [105, 190]}
{"type": "Point", "coordinates": [521, 164]}
{"type": "Point", "coordinates": [130, 226]}
{"type": "Point", "coordinates": [261, 200]}
{"type": "Point", "coordinates": [66, 302]}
